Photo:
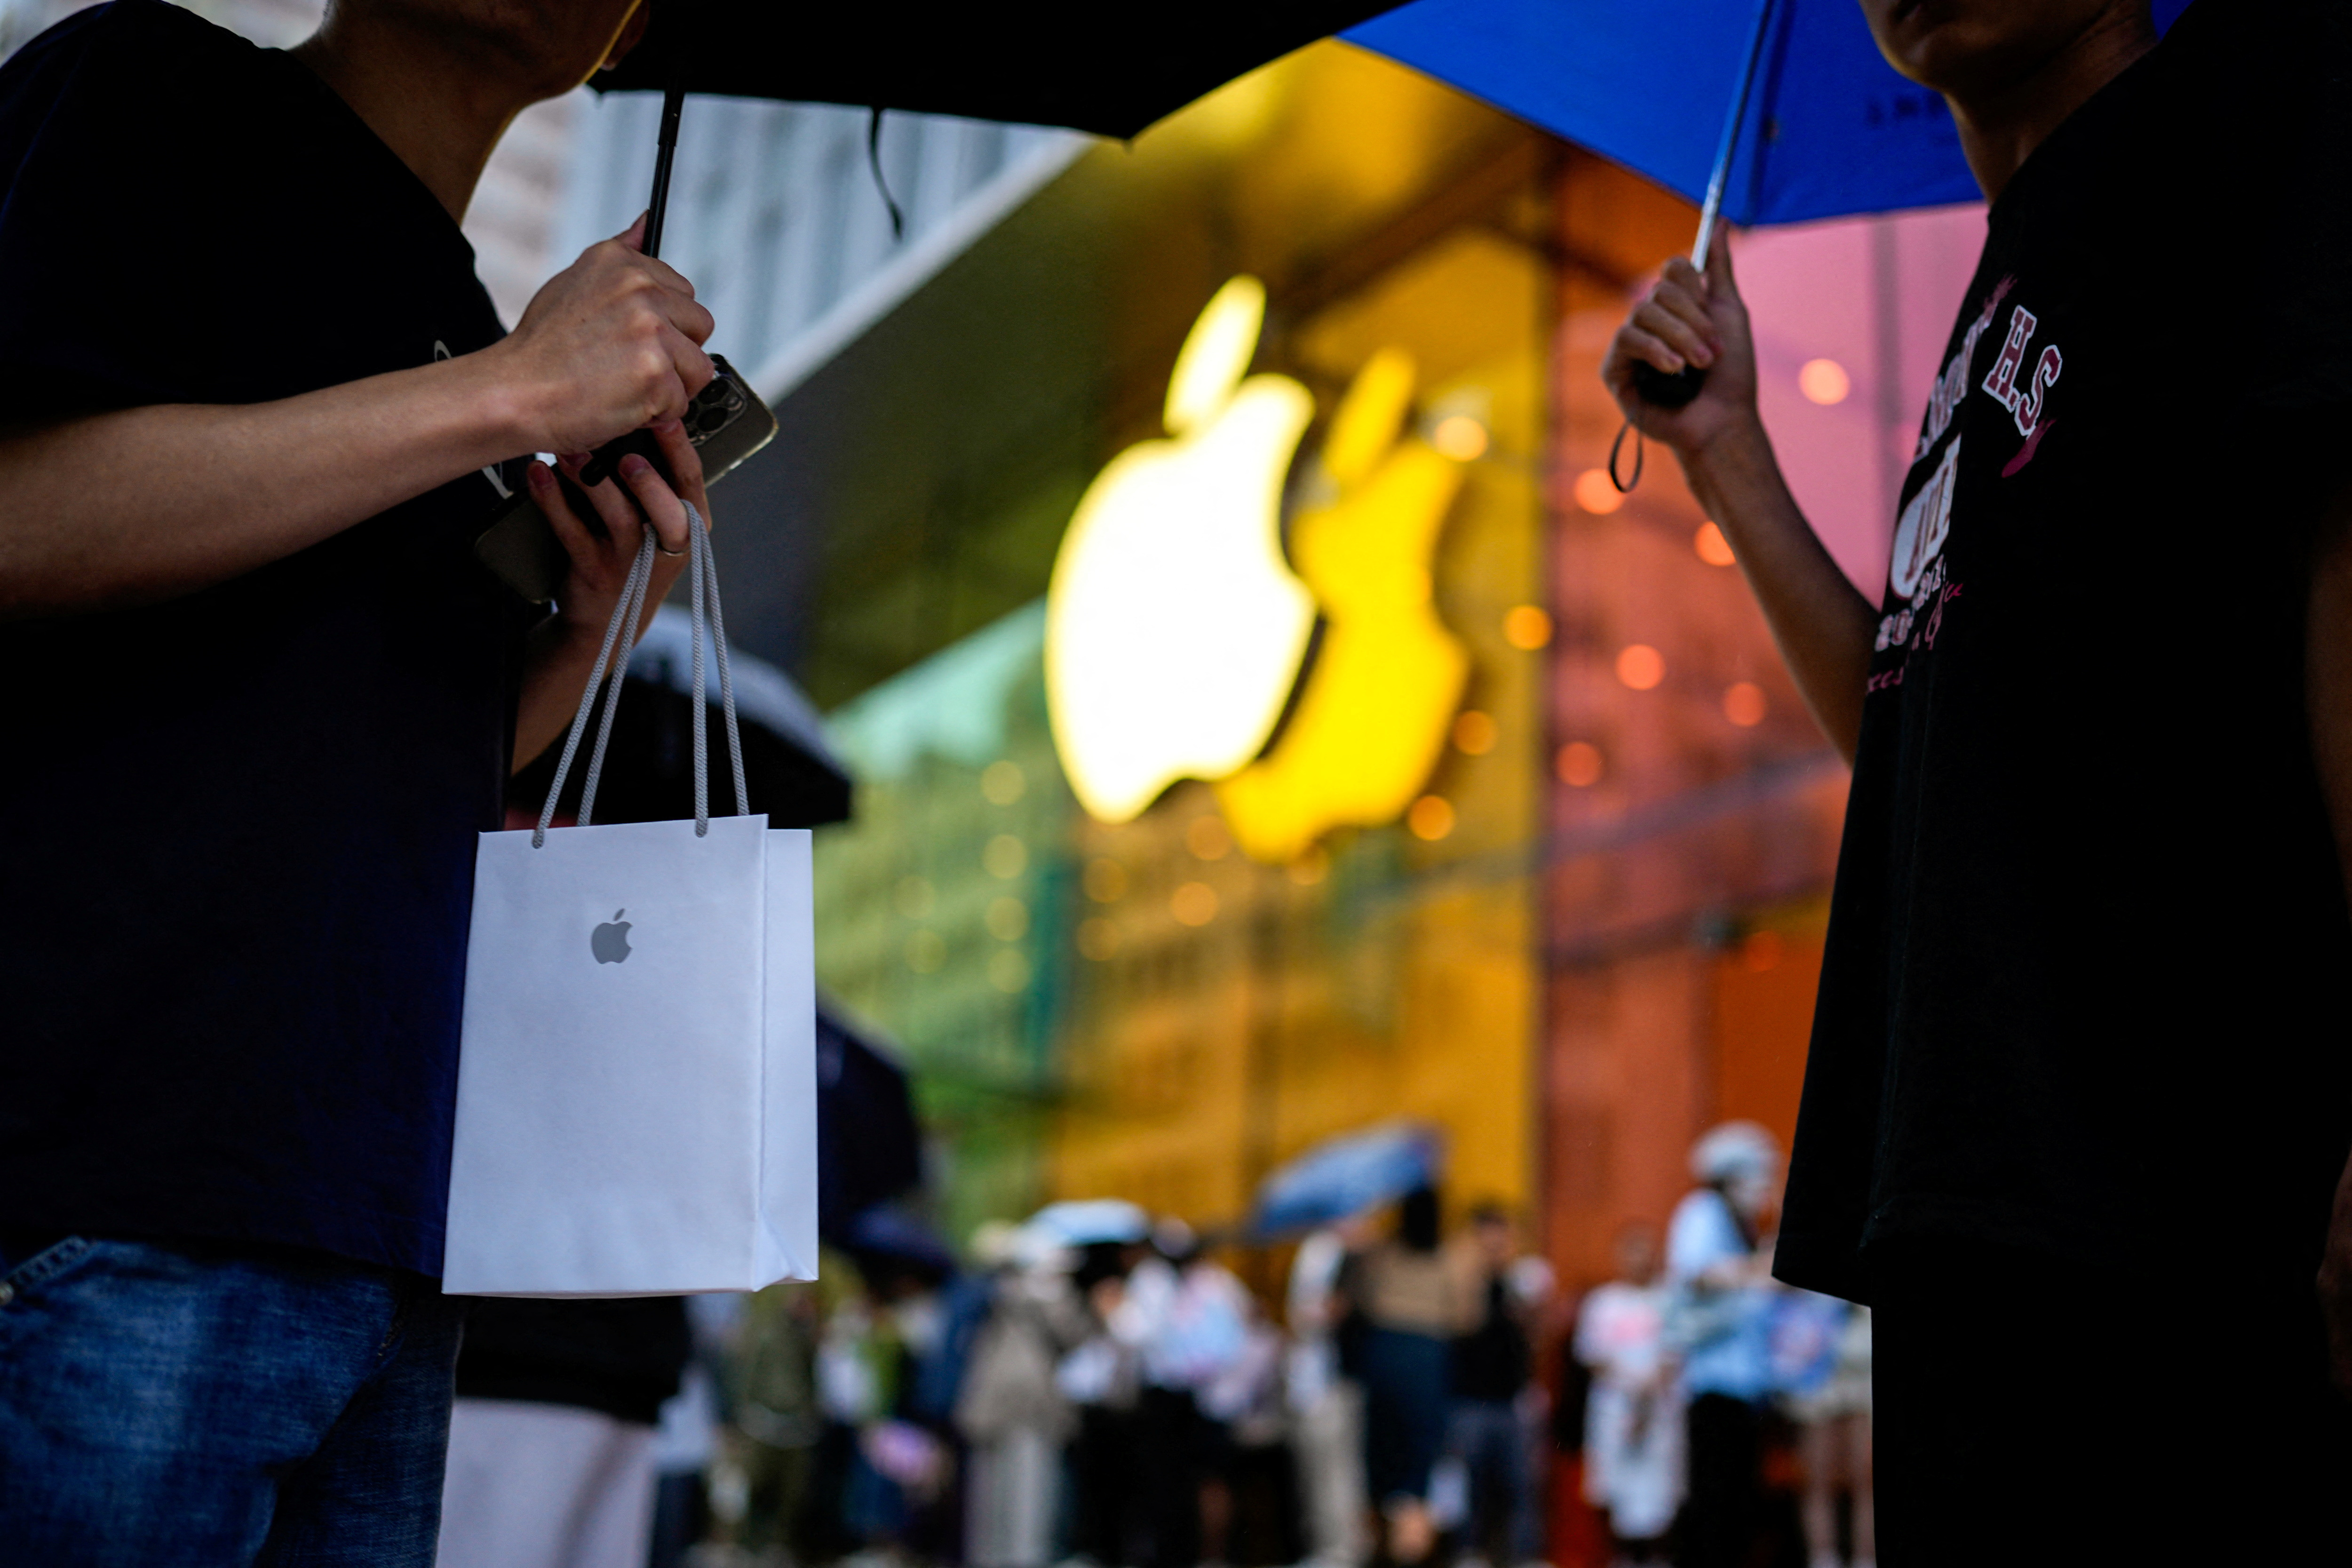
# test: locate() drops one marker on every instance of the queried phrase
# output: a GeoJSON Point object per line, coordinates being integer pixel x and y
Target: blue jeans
{"type": "Point", "coordinates": [212, 1407]}
{"type": "Point", "coordinates": [1487, 1436]}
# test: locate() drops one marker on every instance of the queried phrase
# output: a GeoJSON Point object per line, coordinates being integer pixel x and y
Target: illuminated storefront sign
{"type": "Point", "coordinates": [1176, 627]}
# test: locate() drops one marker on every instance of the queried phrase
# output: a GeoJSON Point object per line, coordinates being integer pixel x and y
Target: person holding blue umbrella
{"type": "Point", "coordinates": [2084, 1005]}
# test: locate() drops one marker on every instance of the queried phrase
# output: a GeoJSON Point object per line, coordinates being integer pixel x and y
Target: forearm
{"type": "Point", "coordinates": [1822, 625]}
{"type": "Point", "coordinates": [151, 503]}
{"type": "Point", "coordinates": [556, 665]}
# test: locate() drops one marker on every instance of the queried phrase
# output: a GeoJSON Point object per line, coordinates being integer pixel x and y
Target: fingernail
{"type": "Point", "coordinates": [1703, 358]}
{"type": "Point", "coordinates": [538, 475]}
{"type": "Point", "coordinates": [632, 466]}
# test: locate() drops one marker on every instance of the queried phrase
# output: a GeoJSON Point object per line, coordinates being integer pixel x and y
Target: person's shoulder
{"type": "Point", "coordinates": [163, 45]}
{"type": "Point", "coordinates": [128, 83]}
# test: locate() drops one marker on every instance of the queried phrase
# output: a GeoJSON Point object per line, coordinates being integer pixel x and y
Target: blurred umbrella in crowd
{"type": "Point", "coordinates": [887, 1241]}
{"type": "Point", "coordinates": [1346, 1176]}
{"type": "Point", "coordinates": [1088, 1222]}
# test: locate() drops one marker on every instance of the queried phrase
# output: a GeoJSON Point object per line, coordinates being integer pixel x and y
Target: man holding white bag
{"type": "Point", "coordinates": [254, 406]}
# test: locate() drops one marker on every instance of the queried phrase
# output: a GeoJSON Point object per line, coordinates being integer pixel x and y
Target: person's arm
{"type": "Point", "coordinates": [151, 503]}
{"type": "Point", "coordinates": [2329, 693]}
{"type": "Point", "coordinates": [1823, 626]}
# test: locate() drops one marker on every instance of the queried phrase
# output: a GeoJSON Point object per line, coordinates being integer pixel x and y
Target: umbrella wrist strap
{"type": "Point", "coordinates": [703, 569]}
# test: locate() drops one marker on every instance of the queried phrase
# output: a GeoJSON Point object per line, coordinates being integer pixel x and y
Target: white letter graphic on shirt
{"type": "Point", "coordinates": [2001, 379]}
{"type": "Point", "coordinates": [1926, 524]}
{"type": "Point", "coordinates": [2028, 412]}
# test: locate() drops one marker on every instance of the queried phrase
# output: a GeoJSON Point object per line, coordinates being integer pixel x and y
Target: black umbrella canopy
{"type": "Point", "coordinates": [1106, 67]}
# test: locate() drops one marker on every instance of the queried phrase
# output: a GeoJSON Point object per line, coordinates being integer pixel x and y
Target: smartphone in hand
{"type": "Point", "coordinates": [726, 423]}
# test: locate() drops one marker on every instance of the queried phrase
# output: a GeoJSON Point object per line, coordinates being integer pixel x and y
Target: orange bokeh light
{"type": "Point", "coordinates": [1527, 627]}
{"type": "Point", "coordinates": [1473, 733]}
{"type": "Point", "coordinates": [1823, 381]}
{"type": "Point", "coordinates": [1712, 547]}
{"type": "Point", "coordinates": [1431, 818]}
{"type": "Point", "coordinates": [1640, 666]}
{"type": "Point", "coordinates": [1743, 703]}
{"type": "Point", "coordinates": [1193, 904]}
{"type": "Point", "coordinates": [1580, 764]}
{"type": "Point", "coordinates": [1596, 493]}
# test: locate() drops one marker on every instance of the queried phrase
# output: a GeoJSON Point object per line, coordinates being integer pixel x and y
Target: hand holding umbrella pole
{"type": "Point", "coordinates": [1678, 389]}
{"type": "Point", "coordinates": [602, 463]}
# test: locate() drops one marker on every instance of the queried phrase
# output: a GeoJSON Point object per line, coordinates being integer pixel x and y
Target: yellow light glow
{"type": "Point", "coordinates": [1373, 717]}
{"type": "Point", "coordinates": [1175, 626]}
{"type": "Point", "coordinates": [1006, 856]}
{"type": "Point", "coordinates": [1193, 904]}
{"type": "Point", "coordinates": [1597, 493]}
{"type": "Point", "coordinates": [1823, 381]}
{"type": "Point", "coordinates": [1002, 782]}
{"type": "Point", "coordinates": [1460, 438]}
{"type": "Point", "coordinates": [1208, 838]}
{"type": "Point", "coordinates": [1215, 356]}
{"type": "Point", "coordinates": [1007, 920]}
{"type": "Point", "coordinates": [1712, 547]}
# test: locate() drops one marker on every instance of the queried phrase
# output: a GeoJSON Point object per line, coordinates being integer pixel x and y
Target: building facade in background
{"type": "Point", "coordinates": [1595, 929]}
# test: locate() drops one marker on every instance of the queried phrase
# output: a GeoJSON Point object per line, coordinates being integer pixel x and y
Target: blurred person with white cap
{"type": "Point", "coordinates": [1719, 1273]}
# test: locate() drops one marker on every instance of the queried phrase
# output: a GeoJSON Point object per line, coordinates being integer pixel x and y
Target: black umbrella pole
{"type": "Point", "coordinates": [606, 458]}
{"type": "Point", "coordinates": [664, 156]}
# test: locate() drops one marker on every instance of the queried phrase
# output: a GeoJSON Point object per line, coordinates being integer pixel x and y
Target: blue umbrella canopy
{"type": "Point", "coordinates": [1830, 129]}
{"type": "Point", "coordinates": [1347, 1175]}
{"type": "Point", "coordinates": [1088, 1222]}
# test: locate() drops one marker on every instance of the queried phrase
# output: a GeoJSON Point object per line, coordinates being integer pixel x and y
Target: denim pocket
{"type": "Point", "coordinates": [43, 1267]}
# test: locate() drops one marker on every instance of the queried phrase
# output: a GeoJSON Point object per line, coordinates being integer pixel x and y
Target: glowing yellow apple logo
{"type": "Point", "coordinates": [1374, 715]}
{"type": "Point", "coordinates": [1174, 627]}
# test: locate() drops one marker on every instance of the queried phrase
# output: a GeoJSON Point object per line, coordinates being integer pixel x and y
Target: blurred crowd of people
{"type": "Point", "coordinates": [1702, 1371]}
{"type": "Point", "coordinates": [1128, 1401]}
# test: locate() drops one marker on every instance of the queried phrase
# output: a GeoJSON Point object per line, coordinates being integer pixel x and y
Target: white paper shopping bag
{"type": "Point", "coordinates": [637, 1088]}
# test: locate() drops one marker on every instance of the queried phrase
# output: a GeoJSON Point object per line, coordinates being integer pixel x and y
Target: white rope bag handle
{"type": "Point", "coordinates": [702, 569]}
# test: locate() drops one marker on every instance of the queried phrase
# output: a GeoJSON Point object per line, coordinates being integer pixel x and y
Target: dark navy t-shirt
{"type": "Point", "coordinates": [236, 829]}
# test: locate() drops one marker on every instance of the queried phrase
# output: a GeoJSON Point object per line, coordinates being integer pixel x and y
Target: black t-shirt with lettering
{"type": "Point", "coordinates": [2088, 989]}
{"type": "Point", "coordinates": [236, 829]}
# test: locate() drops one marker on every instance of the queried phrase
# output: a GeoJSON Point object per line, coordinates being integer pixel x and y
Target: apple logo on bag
{"type": "Point", "coordinates": [609, 941]}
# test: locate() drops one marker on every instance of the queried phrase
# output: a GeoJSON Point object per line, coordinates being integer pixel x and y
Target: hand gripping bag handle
{"type": "Point", "coordinates": [702, 569]}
